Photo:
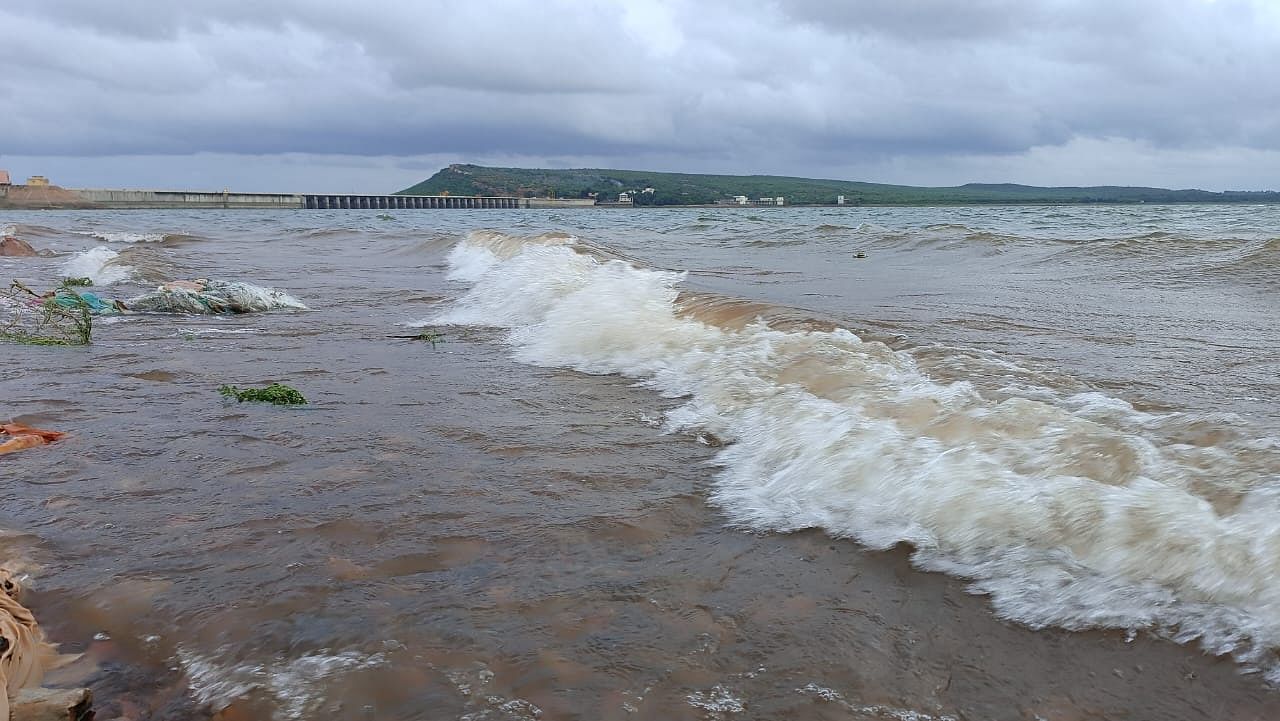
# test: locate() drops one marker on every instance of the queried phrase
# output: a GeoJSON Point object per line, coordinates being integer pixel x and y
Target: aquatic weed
{"type": "Point", "coordinates": [426, 335]}
{"type": "Point", "coordinates": [431, 337]}
{"type": "Point", "coordinates": [276, 393]}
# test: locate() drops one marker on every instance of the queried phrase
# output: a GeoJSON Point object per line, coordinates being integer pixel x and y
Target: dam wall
{"type": "Point", "coordinates": [52, 197]}
{"type": "Point", "coordinates": [187, 199]}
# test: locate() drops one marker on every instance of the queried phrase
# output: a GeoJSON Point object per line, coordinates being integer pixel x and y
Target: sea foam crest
{"type": "Point", "coordinates": [123, 236]}
{"type": "Point", "coordinates": [101, 264]}
{"type": "Point", "coordinates": [1072, 512]}
{"type": "Point", "coordinates": [295, 686]}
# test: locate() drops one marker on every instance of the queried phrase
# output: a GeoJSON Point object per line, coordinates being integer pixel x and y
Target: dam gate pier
{"type": "Point", "coordinates": [393, 202]}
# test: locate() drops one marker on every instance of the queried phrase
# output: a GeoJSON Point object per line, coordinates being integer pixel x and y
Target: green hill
{"type": "Point", "coordinates": [691, 189]}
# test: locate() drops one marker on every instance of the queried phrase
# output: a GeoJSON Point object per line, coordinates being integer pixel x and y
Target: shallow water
{"type": "Point", "coordinates": [588, 501]}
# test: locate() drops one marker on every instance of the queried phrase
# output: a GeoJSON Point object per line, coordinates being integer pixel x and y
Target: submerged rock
{"type": "Point", "coordinates": [11, 247]}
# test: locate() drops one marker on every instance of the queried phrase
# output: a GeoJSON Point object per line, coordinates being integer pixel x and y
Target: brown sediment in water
{"type": "Point", "coordinates": [500, 539]}
{"type": "Point", "coordinates": [649, 607]}
{"type": "Point", "coordinates": [735, 314]}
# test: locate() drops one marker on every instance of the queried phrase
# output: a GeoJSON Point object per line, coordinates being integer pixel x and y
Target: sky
{"type": "Point", "coordinates": [376, 95]}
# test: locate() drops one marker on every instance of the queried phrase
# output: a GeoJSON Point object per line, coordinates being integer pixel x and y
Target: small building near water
{"type": "Point", "coordinates": [38, 180]}
{"type": "Point", "coordinates": [4, 177]}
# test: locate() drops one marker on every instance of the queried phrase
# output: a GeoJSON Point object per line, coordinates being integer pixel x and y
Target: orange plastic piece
{"type": "Point", "coordinates": [26, 437]}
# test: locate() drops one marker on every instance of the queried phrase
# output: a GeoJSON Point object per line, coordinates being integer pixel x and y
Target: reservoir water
{"type": "Point", "coordinates": [867, 463]}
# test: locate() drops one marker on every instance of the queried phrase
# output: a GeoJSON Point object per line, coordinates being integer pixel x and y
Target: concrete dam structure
{"type": "Point", "coordinates": [138, 199]}
{"type": "Point", "coordinates": [346, 202]}
{"type": "Point", "coordinates": [314, 201]}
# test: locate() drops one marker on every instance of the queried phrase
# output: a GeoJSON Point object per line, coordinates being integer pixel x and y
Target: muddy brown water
{"type": "Point", "coordinates": [456, 532]}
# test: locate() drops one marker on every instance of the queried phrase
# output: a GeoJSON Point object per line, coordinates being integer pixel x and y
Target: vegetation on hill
{"type": "Point", "coordinates": [691, 189]}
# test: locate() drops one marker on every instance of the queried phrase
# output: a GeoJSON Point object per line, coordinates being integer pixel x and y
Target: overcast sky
{"type": "Point", "coordinates": [375, 95]}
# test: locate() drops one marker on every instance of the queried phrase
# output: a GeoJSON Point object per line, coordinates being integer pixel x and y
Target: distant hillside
{"type": "Point", "coordinates": [690, 189]}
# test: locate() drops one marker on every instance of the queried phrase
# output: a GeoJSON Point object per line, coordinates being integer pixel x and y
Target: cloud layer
{"type": "Point", "coordinates": [919, 91]}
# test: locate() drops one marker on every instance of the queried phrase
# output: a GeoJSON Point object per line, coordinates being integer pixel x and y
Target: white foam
{"type": "Point", "coordinates": [1071, 511]}
{"type": "Point", "coordinates": [217, 331]}
{"type": "Point", "coordinates": [99, 263]}
{"type": "Point", "coordinates": [482, 702]}
{"type": "Point", "coordinates": [295, 685]}
{"type": "Point", "coordinates": [716, 701]}
{"type": "Point", "coordinates": [888, 713]}
{"type": "Point", "coordinates": [482, 249]}
{"type": "Point", "coordinates": [123, 236]}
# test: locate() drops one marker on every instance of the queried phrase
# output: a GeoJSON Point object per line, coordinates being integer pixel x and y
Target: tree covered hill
{"type": "Point", "coordinates": [693, 189]}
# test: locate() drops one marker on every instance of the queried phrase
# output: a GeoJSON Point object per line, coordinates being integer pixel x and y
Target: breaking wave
{"type": "Point", "coordinates": [102, 264]}
{"type": "Point", "coordinates": [1072, 510]}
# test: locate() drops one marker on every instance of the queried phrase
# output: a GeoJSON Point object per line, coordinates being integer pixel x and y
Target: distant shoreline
{"type": "Point", "coordinates": [644, 188]}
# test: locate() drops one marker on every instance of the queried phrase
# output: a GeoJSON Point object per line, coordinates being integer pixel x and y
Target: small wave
{"type": "Point", "coordinates": [123, 236]}
{"type": "Point", "coordinates": [1264, 254]}
{"type": "Point", "coordinates": [432, 244]}
{"type": "Point", "coordinates": [1255, 263]}
{"type": "Point", "coordinates": [993, 238]}
{"type": "Point", "coordinates": [957, 228]}
{"type": "Point", "coordinates": [133, 238]}
{"type": "Point", "coordinates": [24, 230]}
{"type": "Point", "coordinates": [217, 331]}
{"type": "Point", "coordinates": [101, 264]}
{"type": "Point", "coordinates": [325, 232]}
{"type": "Point", "coordinates": [295, 686]}
{"type": "Point", "coordinates": [1146, 243]}
{"type": "Point", "coordinates": [1068, 511]}
{"type": "Point", "coordinates": [779, 243]}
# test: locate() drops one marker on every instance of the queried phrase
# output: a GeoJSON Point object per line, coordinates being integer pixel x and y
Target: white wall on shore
{"type": "Point", "coordinates": [189, 199]}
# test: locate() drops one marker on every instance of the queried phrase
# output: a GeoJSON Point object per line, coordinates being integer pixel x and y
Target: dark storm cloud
{"type": "Point", "coordinates": [839, 83]}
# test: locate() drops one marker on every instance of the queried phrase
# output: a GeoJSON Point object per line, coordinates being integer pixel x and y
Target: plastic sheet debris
{"type": "Point", "coordinates": [212, 296]}
{"type": "Point", "coordinates": [24, 656]}
{"type": "Point", "coordinates": [59, 317]}
{"type": "Point", "coordinates": [17, 437]}
{"type": "Point", "coordinates": [98, 306]}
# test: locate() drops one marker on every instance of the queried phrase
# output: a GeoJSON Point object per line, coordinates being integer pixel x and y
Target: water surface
{"type": "Point", "coordinates": [665, 464]}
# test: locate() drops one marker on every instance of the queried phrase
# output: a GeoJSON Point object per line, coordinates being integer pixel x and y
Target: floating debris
{"type": "Point", "coordinates": [203, 296]}
{"type": "Point", "coordinates": [59, 317]}
{"type": "Point", "coordinates": [428, 336]}
{"type": "Point", "coordinates": [22, 437]}
{"type": "Point", "coordinates": [275, 393]}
